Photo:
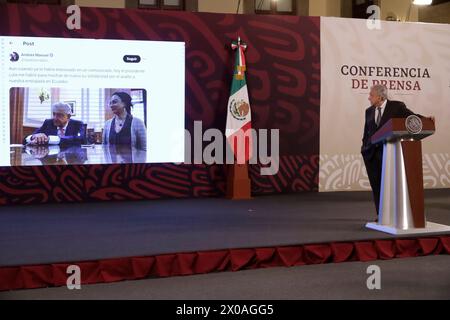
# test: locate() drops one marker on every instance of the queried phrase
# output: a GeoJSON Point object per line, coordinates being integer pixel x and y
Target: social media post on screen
{"type": "Point", "coordinates": [88, 101]}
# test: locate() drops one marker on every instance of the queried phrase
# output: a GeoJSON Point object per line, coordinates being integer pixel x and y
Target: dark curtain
{"type": "Point", "coordinates": [16, 104]}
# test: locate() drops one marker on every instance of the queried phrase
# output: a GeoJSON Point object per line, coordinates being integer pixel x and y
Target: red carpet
{"type": "Point", "coordinates": [167, 265]}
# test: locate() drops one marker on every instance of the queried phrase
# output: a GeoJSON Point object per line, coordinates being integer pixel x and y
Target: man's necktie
{"type": "Point", "coordinates": [61, 132]}
{"type": "Point", "coordinates": [378, 116]}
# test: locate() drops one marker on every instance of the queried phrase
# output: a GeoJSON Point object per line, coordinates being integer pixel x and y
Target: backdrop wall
{"type": "Point", "coordinates": [283, 60]}
{"type": "Point", "coordinates": [414, 61]}
{"type": "Point", "coordinates": [300, 69]}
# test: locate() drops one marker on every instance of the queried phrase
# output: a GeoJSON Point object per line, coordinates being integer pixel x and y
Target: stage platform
{"type": "Point", "coordinates": [45, 234]}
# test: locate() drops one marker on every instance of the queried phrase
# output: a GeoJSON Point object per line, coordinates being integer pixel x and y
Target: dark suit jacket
{"type": "Point", "coordinates": [75, 131]}
{"type": "Point", "coordinates": [393, 109]}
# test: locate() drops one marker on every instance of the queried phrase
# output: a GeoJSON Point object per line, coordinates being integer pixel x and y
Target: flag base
{"type": "Point", "coordinates": [238, 182]}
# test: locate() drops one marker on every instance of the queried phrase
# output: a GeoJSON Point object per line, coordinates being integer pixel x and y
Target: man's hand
{"type": "Point", "coordinates": [39, 138]}
{"type": "Point", "coordinates": [432, 119]}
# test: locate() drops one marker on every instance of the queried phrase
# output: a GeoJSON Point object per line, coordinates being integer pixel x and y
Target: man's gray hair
{"type": "Point", "coordinates": [62, 107]}
{"type": "Point", "coordinates": [381, 90]}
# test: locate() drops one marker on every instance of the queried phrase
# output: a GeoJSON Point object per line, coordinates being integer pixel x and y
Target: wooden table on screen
{"type": "Point", "coordinates": [75, 155]}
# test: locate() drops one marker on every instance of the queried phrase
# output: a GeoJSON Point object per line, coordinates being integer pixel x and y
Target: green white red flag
{"type": "Point", "coordinates": [239, 120]}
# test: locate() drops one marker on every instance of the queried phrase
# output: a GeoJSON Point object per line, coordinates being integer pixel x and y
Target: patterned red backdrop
{"type": "Point", "coordinates": [283, 60]}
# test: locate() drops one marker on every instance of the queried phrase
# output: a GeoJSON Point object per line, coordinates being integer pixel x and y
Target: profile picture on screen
{"type": "Point", "coordinates": [13, 57]}
{"type": "Point", "coordinates": [102, 125]}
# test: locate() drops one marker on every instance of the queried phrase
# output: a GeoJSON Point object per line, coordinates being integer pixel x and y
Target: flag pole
{"type": "Point", "coordinates": [238, 122]}
{"type": "Point", "coordinates": [238, 182]}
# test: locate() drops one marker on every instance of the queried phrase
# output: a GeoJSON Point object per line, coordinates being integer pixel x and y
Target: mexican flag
{"type": "Point", "coordinates": [239, 120]}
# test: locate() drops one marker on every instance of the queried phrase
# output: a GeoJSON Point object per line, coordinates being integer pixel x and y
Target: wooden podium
{"type": "Point", "coordinates": [401, 208]}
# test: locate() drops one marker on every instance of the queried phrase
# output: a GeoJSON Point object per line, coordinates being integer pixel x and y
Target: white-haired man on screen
{"type": "Point", "coordinates": [61, 127]}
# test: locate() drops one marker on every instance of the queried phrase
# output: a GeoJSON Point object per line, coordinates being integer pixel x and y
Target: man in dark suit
{"type": "Point", "coordinates": [69, 131]}
{"type": "Point", "coordinates": [381, 110]}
